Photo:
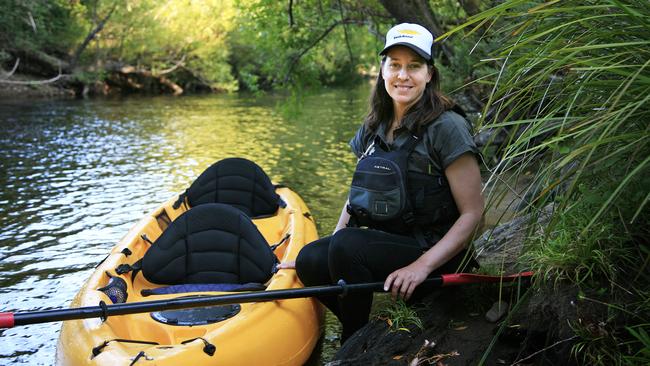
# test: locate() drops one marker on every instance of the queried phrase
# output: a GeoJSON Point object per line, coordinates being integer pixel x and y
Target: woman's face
{"type": "Point", "coordinates": [405, 76]}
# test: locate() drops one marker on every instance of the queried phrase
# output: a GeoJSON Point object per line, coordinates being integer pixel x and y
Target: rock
{"type": "Point", "coordinates": [502, 246]}
{"type": "Point", "coordinates": [497, 311]}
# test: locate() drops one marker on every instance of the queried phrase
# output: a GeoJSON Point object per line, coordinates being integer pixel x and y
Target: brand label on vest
{"type": "Point", "coordinates": [382, 167]}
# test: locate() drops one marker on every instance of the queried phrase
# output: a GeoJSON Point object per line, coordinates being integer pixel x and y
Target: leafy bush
{"type": "Point", "coordinates": [53, 26]}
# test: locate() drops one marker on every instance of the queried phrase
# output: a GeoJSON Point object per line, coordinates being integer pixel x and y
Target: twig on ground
{"type": "Point", "coordinates": [543, 350]}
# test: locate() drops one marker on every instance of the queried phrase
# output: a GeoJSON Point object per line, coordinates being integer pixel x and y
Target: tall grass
{"type": "Point", "coordinates": [571, 87]}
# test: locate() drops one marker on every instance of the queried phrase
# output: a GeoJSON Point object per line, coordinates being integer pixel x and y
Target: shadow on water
{"type": "Point", "coordinates": [76, 175]}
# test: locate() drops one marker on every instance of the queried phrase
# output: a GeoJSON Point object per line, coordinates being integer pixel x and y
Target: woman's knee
{"type": "Point", "coordinates": [307, 257]}
{"type": "Point", "coordinates": [346, 243]}
{"type": "Point", "coordinates": [311, 265]}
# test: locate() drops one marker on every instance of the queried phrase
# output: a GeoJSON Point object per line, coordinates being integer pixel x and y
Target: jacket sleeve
{"type": "Point", "coordinates": [452, 137]}
{"type": "Point", "coordinates": [359, 142]}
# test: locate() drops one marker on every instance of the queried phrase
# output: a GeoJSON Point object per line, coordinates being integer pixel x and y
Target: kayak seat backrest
{"type": "Point", "coordinates": [237, 182]}
{"type": "Point", "coordinates": [210, 243]}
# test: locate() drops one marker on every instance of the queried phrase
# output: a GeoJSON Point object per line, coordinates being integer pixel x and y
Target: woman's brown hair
{"type": "Point", "coordinates": [431, 105]}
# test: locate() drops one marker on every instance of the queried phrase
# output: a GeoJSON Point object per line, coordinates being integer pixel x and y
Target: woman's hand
{"type": "Point", "coordinates": [403, 281]}
{"type": "Point", "coordinates": [287, 265]}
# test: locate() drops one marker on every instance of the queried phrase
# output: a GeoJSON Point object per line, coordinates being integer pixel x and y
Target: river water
{"type": "Point", "coordinates": [76, 175]}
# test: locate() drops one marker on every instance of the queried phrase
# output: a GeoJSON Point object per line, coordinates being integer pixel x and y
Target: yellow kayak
{"type": "Point", "coordinates": [197, 246]}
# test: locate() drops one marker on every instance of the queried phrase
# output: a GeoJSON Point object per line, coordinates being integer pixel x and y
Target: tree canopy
{"type": "Point", "coordinates": [226, 45]}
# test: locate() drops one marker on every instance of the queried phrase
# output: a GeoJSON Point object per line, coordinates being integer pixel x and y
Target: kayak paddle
{"type": "Point", "coordinates": [9, 320]}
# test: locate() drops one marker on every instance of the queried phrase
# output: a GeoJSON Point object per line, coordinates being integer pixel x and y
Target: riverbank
{"type": "Point", "coordinates": [533, 331]}
{"type": "Point", "coordinates": [119, 80]}
{"type": "Point", "coordinates": [29, 87]}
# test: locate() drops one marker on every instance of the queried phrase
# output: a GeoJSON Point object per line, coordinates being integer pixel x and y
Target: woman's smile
{"type": "Point", "coordinates": [404, 87]}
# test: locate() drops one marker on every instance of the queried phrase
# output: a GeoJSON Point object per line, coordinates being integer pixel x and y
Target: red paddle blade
{"type": "Point", "coordinates": [466, 278]}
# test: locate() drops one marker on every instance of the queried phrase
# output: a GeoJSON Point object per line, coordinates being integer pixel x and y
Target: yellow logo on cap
{"type": "Point", "coordinates": [411, 32]}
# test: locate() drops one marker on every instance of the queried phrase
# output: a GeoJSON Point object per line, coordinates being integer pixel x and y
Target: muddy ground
{"type": "Point", "coordinates": [456, 331]}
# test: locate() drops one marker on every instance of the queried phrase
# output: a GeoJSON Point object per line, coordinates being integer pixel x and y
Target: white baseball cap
{"type": "Point", "coordinates": [414, 36]}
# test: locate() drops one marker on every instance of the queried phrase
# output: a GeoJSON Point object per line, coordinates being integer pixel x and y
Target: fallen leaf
{"type": "Point", "coordinates": [397, 357]}
{"type": "Point", "coordinates": [461, 327]}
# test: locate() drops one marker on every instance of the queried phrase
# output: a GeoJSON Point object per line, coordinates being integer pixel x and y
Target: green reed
{"type": "Point", "coordinates": [571, 85]}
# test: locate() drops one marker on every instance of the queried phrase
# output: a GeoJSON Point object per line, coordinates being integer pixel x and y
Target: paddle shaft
{"type": "Point", "coordinates": [8, 320]}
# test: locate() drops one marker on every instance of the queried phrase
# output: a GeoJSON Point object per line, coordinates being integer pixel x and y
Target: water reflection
{"type": "Point", "coordinates": [76, 175]}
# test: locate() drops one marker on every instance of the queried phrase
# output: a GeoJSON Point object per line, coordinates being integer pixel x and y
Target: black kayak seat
{"type": "Point", "coordinates": [210, 243]}
{"type": "Point", "coordinates": [237, 182]}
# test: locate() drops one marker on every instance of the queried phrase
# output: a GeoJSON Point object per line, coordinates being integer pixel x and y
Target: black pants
{"type": "Point", "coordinates": [356, 256]}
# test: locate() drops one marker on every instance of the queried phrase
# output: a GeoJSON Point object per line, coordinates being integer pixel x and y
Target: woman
{"type": "Point", "coordinates": [409, 120]}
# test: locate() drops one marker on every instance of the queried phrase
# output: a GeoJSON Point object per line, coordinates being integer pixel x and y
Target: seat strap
{"type": "Point", "coordinates": [180, 200]}
{"type": "Point", "coordinates": [275, 246]}
{"type": "Point", "coordinates": [419, 236]}
{"type": "Point", "coordinates": [126, 268]}
{"type": "Point", "coordinates": [97, 350]}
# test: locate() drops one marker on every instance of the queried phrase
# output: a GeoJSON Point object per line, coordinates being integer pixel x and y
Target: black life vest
{"type": "Point", "coordinates": [386, 195]}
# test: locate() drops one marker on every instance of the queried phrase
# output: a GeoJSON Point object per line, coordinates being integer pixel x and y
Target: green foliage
{"type": "Point", "coordinates": [462, 68]}
{"type": "Point", "coordinates": [568, 251]}
{"type": "Point", "coordinates": [53, 26]}
{"type": "Point", "coordinates": [234, 44]}
{"type": "Point", "coordinates": [573, 94]}
{"type": "Point", "coordinates": [641, 336]}
{"type": "Point", "coordinates": [311, 48]}
{"type": "Point", "coordinates": [246, 44]}
{"type": "Point", "coordinates": [602, 345]}
{"type": "Point", "coordinates": [572, 90]}
{"type": "Point", "coordinates": [157, 36]}
{"type": "Point", "coordinates": [400, 316]}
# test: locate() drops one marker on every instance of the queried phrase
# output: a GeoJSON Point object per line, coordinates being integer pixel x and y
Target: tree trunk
{"type": "Point", "coordinates": [39, 63]}
{"type": "Point", "coordinates": [98, 28]}
{"type": "Point", "coordinates": [131, 79]}
{"type": "Point", "coordinates": [471, 7]}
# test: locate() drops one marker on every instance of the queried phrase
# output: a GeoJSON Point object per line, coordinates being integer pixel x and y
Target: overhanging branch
{"type": "Point", "coordinates": [32, 82]}
{"type": "Point", "coordinates": [98, 28]}
{"type": "Point", "coordinates": [327, 31]}
{"type": "Point", "coordinates": [13, 69]}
